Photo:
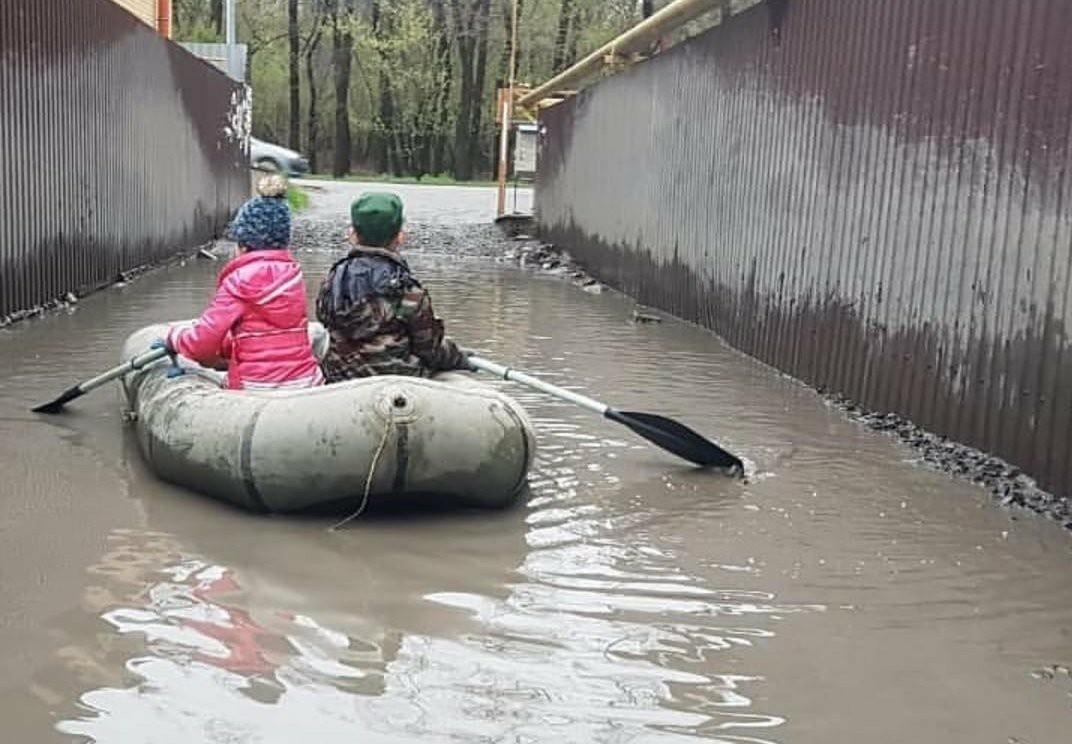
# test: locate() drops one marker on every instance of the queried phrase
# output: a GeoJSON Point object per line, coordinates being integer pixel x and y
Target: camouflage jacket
{"type": "Point", "coordinates": [380, 320]}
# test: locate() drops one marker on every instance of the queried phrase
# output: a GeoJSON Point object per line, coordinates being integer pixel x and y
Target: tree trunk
{"type": "Point", "coordinates": [463, 167]}
{"type": "Point", "coordinates": [342, 59]}
{"type": "Point", "coordinates": [388, 154]}
{"type": "Point", "coordinates": [463, 32]}
{"type": "Point", "coordinates": [294, 138]}
{"type": "Point", "coordinates": [565, 17]}
{"type": "Point", "coordinates": [441, 107]}
{"type": "Point", "coordinates": [419, 143]}
{"type": "Point", "coordinates": [313, 125]}
{"type": "Point", "coordinates": [383, 133]}
{"type": "Point", "coordinates": [471, 31]}
{"type": "Point", "coordinates": [402, 160]}
{"type": "Point", "coordinates": [217, 16]}
{"type": "Point", "coordinates": [574, 35]}
{"type": "Point", "coordinates": [647, 7]}
{"type": "Point", "coordinates": [424, 130]}
{"type": "Point", "coordinates": [476, 133]}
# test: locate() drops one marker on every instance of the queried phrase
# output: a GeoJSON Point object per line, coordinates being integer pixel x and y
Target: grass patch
{"type": "Point", "coordinates": [297, 198]}
{"type": "Point", "coordinates": [440, 180]}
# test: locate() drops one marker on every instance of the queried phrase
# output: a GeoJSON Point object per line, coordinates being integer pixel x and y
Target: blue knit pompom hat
{"type": "Point", "coordinates": [263, 222]}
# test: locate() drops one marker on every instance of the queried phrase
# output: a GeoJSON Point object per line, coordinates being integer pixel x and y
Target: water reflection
{"type": "Point", "coordinates": [207, 669]}
{"type": "Point", "coordinates": [598, 634]}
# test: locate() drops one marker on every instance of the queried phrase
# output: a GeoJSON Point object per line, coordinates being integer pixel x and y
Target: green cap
{"type": "Point", "coordinates": [377, 217]}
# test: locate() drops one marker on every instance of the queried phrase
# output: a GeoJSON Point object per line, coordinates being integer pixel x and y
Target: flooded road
{"type": "Point", "coordinates": [844, 594]}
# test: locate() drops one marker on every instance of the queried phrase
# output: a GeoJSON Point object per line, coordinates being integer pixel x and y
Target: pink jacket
{"type": "Point", "coordinates": [258, 323]}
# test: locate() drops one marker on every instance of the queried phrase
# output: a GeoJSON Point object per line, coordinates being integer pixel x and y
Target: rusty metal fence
{"type": "Point", "coordinates": [875, 196]}
{"type": "Point", "coordinates": [117, 149]}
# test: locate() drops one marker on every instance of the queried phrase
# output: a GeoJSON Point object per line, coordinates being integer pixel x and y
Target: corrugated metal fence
{"type": "Point", "coordinates": [875, 196]}
{"type": "Point", "coordinates": [117, 148]}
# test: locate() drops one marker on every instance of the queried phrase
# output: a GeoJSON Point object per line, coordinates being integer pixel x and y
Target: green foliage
{"type": "Point", "coordinates": [202, 34]}
{"type": "Point", "coordinates": [195, 20]}
{"type": "Point", "coordinates": [297, 198]}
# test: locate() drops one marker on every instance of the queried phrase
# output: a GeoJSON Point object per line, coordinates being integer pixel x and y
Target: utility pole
{"type": "Point", "coordinates": [507, 117]}
{"type": "Point", "coordinates": [229, 23]}
{"type": "Point", "coordinates": [234, 66]}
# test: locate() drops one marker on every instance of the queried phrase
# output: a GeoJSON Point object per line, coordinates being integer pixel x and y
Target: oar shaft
{"type": "Point", "coordinates": [659, 430]}
{"type": "Point", "coordinates": [55, 406]}
{"type": "Point", "coordinates": [521, 378]}
{"type": "Point", "coordinates": [136, 363]}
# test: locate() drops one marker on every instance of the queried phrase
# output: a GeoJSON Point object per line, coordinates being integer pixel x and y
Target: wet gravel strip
{"type": "Point", "coordinates": [1009, 485]}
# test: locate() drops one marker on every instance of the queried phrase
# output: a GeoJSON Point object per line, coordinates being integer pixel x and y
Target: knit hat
{"type": "Point", "coordinates": [263, 222]}
{"type": "Point", "coordinates": [376, 217]}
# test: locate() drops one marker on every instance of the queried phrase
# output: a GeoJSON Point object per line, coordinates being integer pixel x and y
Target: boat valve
{"type": "Point", "coordinates": [398, 404]}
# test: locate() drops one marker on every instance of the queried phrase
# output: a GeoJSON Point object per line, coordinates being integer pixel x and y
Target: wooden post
{"type": "Point", "coordinates": [507, 118]}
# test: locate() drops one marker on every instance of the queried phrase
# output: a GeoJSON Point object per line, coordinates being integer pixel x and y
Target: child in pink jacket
{"type": "Point", "coordinates": [257, 321]}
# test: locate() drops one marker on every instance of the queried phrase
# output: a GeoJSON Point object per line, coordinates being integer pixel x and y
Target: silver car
{"type": "Point", "coordinates": [266, 156]}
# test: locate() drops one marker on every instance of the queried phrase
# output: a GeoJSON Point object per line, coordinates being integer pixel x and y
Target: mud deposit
{"type": "Point", "coordinates": [845, 593]}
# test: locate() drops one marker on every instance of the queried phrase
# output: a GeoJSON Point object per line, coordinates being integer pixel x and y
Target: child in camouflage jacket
{"type": "Point", "coordinates": [378, 315]}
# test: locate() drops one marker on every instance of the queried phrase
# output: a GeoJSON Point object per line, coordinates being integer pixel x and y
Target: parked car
{"type": "Point", "coordinates": [267, 156]}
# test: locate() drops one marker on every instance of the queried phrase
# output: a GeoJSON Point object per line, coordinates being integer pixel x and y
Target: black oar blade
{"type": "Point", "coordinates": [56, 406]}
{"type": "Point", "coordinates": [675, 437]}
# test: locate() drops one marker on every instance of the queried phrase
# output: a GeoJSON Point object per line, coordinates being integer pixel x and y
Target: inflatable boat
{"type": "Point", "coordinates": [331, 446]}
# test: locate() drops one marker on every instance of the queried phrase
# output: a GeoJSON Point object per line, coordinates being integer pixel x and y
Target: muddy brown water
{"type": "Point", "coordinates": [843, 594]}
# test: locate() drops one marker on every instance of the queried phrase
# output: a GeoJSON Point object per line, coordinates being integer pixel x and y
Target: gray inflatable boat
{"type": "Point", "coordinates": [331, 446]}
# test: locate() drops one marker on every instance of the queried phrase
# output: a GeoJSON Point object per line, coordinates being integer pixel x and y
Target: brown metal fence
{"type": "Point", "coordinates": [117, 148]}
{"type": "Point", "coordinates": [875, 196]}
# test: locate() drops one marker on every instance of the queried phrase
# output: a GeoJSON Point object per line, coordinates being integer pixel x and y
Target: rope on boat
{"type": "Point", "coordinates": [388, 427]}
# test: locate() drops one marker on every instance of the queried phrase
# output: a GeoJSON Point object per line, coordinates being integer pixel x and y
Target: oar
{"type": "Point", "coordinates": [659, 430]}
{"type": "Point", "coordinates": [84, 387]}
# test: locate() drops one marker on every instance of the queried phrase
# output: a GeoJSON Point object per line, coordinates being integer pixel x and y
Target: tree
{"type": "Point", "coordinates": [294, 41]}
{"type": "Point", "coordinates": [342, 18]}
{"type": "Point", "coordinates": [312, 45]}
{"type": "Point", "coordinates": [262, 25]}
{"type": "Point", "coordinates": [444, 80]}
{"type": "Point", "coordinates": [471, 32]}
{"type": "Point", "coordinates": [565, 18]}
{"type": "Point", "coordinates": [193, 19]}
{"type": "Point", "coordinates": [476, 131]}
{"type": "Point", "coordinates": [574, 37]}
{"type": "Point", "coordinates": [381, 145]}
{"type": "Point", "coordinates": [405, 76]}
{"type": "Point", "coordinates": [217, 16]}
